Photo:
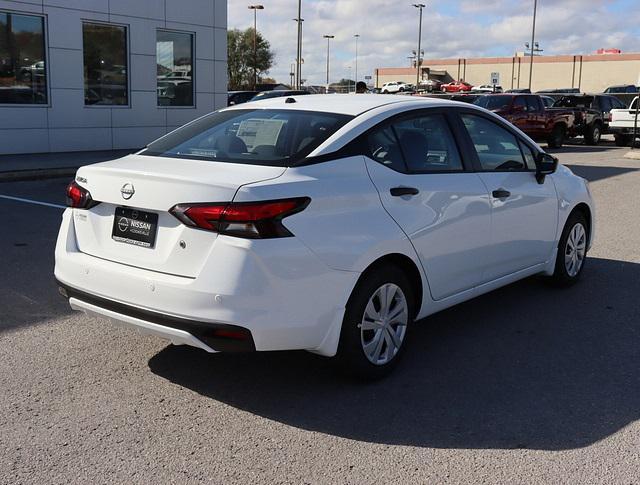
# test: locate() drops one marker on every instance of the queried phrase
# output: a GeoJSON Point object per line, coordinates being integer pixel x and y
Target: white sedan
{"type": "Point", "coordinates": [324, 223]}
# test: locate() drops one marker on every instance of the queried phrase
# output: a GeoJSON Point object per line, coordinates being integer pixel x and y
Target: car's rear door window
{"type": "Point", "coordinates": [427, 144]}
{"type": "Point", "coordinates": [250, 136]}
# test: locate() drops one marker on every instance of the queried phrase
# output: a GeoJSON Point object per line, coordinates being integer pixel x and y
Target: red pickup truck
{"type": "Point", "coordinates": [527, 112]}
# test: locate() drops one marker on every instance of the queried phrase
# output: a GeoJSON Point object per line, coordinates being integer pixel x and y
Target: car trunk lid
{"type": "Point", "coordinates": [144, 188]}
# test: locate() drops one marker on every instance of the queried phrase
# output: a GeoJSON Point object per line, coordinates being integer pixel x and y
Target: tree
{"type": "Point", "coordinates": [241, 60]}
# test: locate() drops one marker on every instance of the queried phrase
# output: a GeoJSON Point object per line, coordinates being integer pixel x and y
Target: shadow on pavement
{"type": "Point", "coordinates": [593, 173]}
{"type": "Point", "coordinates": [527, 366]}
{"type": "Point", "coordinates": [577, 146]}
{"type": "Point", "coordinates": [28, 293]}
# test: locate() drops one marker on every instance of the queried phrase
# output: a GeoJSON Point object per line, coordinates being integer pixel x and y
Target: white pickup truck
{"type": "Point", "coordinates": [622, 123]}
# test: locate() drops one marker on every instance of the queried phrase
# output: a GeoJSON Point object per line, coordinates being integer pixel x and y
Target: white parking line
{"type": "Point", "coordinates": [29, 201]}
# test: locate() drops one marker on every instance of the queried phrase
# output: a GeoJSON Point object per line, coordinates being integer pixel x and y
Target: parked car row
{"type": "Point", "coordinates": [553, 120]}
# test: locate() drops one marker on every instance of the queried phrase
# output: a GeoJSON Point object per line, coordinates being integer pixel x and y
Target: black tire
{"type": "Point", "coordinates": [402, 90]}
{"type": "Point", "coordinates": [385, 92]}
{"type": "Point", "coordinates": [561, 275]}
{"type": "Point", "coordinates": [351, 354]}
{"type": "Point", "coordinates": [558, 134]}
{"type": "Point", "coordinates": [593, 134]}
{"type": "Point", "coordinates": [622, 140]}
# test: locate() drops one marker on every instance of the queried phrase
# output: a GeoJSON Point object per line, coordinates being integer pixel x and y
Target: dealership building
{"type": "Point", "coordinates": [107, 74]}
{"type": "Point", "coordinates": [589, 73]}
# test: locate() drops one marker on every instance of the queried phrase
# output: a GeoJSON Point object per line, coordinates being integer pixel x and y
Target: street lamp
{"type": "Point", "coordinates": [357, 36]}
{"type": "Point", "coordinates": [255, 9]}
{"type": "Point", "coordinates": [533, 39]}
{"type": "Point", "coordinates": [419, 6]}
{"type": "Point", "coordinates": [328, 37]}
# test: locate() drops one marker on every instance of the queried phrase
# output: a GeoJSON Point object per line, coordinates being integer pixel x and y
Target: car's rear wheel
{"type": "Point", "coordinates": [376, 323]}
{"type": "Point", "coordinates": [557, 136]}
{"type": "Point", "coordinates": [385, 91]}
{"type": "Point", "coordinates": [622, 140]}
{"type": "Point", "coordinates": [593, 135]}
{"type": "Point", "coordinates": [572, 250]}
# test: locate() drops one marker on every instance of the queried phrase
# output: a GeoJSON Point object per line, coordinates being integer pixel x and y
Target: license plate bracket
{"type": "Point", "coordinates": [132, 226]}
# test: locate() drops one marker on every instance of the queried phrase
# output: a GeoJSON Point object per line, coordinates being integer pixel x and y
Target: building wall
{"type": "Point", "coordinates": [66, 124]}
{"type": "Point", "coordinates": [598, 71]}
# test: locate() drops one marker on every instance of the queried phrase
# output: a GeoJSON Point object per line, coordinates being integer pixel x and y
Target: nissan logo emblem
{"type": "Point", "coordinates": [127, 191]}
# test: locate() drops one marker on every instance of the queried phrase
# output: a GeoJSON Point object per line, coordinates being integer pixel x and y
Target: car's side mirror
{"type": "Point", "coordinates": [545, 165]}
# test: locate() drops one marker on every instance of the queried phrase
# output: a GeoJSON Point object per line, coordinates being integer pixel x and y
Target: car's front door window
{"type": "Point", "coordinates": [497, 148]}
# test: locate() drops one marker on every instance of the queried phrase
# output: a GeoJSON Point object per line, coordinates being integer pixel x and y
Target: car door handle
{"type": "Point", "coordinates": [400, 191]}
{"type": "Point", "coordinates": [501, 194]}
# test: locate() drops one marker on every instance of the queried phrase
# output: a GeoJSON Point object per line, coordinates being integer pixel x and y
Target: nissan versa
{"type": "Point", "coordinates": [327, 223]}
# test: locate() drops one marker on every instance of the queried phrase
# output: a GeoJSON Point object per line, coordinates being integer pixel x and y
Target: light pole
{"type": "Point", "coordinates": [328, 37]}
{"type": "Point", "coordinates": [299, 56]}
{"type": "Point", "coordinates": [349, 79]}
{"type": "Point", "coordinates": [533, 39]}
{"type": "Point", "coordinates": [357, 36]}
{"type": "Point", "coordinates": [255, 9]}
{"type": "Point", "coordinates": [300, 60]}
{"type": "Point", "coordinates": [419, 6]}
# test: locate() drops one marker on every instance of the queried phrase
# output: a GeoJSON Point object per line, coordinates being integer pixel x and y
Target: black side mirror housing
{"type": "Point", "coordinates": [545, 165]}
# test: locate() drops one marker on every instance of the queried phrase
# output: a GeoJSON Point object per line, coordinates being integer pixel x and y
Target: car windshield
{"type": "Point", "coordinates": [273, 137]}
{"type": "Point", "coordinates": [493, 102]}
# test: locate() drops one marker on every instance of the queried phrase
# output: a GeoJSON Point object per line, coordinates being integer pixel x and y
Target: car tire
{"type": "Point", "coordinates": [401, 90]}
{"type": "Point", "coordinates": [572, 251]}
{"type": "Point", "coordinates": [557, 137]}
{"type": "Point", "coordinates": [385, 92]}
{"type": "Point", "coordinates": [370, 348]}
{"type": "Point", "coordinates": [622, 140]}
{"type": "Point", "coordinates": [593, 134]}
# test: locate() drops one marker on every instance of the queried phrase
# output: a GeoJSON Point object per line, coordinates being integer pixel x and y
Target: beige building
{"type": "Point", "coordinates": [589, 73]}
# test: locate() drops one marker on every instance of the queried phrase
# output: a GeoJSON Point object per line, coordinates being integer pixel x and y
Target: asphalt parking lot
{"type": "Point", "coordinates": [528, 384]}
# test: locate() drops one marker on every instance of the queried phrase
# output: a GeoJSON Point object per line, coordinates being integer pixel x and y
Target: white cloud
{"type": "Point", "coordinates": [471, 28]}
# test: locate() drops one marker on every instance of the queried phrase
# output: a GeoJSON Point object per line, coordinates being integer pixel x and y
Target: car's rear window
{"type": "Point", "coordinates": [493, 102]}
{"type": "Point", "coordinates": [274, 137]}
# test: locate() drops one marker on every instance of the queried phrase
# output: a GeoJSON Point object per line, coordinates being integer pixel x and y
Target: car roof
{"type": "Point", "coordinates": [348, 104]}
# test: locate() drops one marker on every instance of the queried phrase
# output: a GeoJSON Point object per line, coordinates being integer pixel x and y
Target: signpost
{"type": "Point", "coordinates": [495, 78]}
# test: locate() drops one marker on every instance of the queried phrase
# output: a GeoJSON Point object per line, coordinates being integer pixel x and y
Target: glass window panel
{"type": "Point", "coordinates": [497, 148]}
{"type": "Point", "coordinates": [384, 148]}
{"type": "Point", "coordinates": [23, 75]}
{"type": "Point", "coordinates": [105, 64]}
{"type": "Point", "coordinates": [174, 54]}
{"type": "Point", "coordinates": [427, 144]}
{"type": "Point", "coordinates": [250, 136]}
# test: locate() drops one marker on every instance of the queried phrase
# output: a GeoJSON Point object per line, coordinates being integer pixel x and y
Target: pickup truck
{"type": "Point", "coordinates": [527, 112]}
{"type": "Point", "coordinates": [591, 114]}
{"type": "Point", "coordinates": [622, 123]}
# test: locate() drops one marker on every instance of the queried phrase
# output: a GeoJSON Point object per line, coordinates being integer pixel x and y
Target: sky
{"type": "Point", "coordinates": [388, 30]}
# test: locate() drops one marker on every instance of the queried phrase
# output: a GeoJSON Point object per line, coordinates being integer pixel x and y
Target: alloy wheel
{"type": "Point", "coordinates": [575, 250]}
{"type": "Point", "coordinates": [384, 324]}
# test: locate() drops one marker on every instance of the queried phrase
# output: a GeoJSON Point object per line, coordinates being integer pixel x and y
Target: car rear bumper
{"type": "Point", "coordinates": [205, 335]}
{"type": "Point", "coordinates": [623, 130]}
{"type": "Point", "coordinates": [277, 291]}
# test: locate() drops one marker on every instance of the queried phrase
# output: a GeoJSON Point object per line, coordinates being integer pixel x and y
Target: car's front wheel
{"type": "Point", "coordinates": [376, 323]}
{"type": "Point", "coordinates": [572, 250]}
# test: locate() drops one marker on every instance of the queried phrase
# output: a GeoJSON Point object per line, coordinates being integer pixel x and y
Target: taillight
{"type": "Point", "coordinates": [252, 220]}
{"type": "Point", "coordinates": [78, 197]}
